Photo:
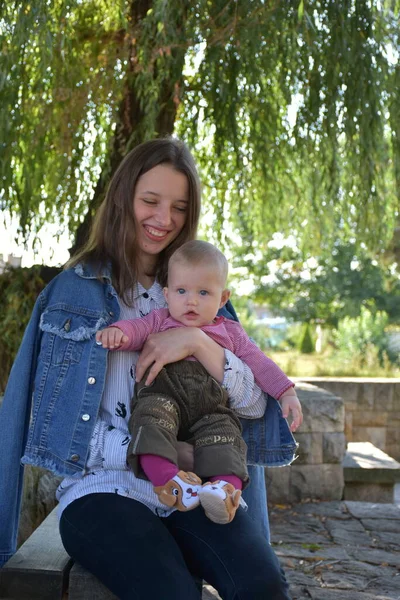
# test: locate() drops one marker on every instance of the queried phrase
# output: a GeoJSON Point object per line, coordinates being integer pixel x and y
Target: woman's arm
{"type": "Point", "coordinates": [246, 398]}
{"type": "Point", "coordinates": [177, 344]}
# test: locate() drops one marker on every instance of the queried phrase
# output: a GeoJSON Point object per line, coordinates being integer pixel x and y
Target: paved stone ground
{"type": "Point", "coordinates": [337, 550]}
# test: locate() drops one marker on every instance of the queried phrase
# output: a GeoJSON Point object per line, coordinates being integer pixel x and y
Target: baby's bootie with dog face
{"type": "Point", "coordinates": [220, 501]}
{"type": "Point", "coordinates": [180, 492]}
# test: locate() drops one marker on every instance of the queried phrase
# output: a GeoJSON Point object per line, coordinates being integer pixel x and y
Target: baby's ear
{"type": "Point", "coordinates": [165, 292]}
{"type": "Point", "coordinates": [224, 298]}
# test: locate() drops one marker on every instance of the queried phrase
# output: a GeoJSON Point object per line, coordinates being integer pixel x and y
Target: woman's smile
{"type": "Point", "coordinates": [157, 233]}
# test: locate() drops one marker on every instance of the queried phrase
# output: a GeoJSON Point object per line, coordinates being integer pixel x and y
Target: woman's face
{"type": "Point", "coordinates": [160, 207]}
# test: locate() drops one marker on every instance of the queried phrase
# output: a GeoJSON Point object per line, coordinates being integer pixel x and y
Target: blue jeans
{"type": "Point", "coordinates": [139, 555]}
{"type": "Point", "coordinates": [255, 495]}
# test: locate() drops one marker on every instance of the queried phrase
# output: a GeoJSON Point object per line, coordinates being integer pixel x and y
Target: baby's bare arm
{"type": "Point", "coordinates": [111, 338]}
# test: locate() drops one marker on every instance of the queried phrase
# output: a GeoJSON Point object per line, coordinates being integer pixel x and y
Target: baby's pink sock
{"type": "Point", "coordinates": [235, 481]}
{"type": "Point", "coordinates": [158, 470]}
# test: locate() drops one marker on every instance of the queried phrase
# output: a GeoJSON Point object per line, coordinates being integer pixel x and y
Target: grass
{"type": "Point", "coordinates": [295, 364]}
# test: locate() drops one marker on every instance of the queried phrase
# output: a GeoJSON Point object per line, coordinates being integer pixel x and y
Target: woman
{"type": "Point", "coordinates": [110, 521]}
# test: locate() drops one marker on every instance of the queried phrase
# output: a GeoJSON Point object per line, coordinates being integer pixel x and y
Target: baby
{"type": "Point", "coordinates": [184, 401]}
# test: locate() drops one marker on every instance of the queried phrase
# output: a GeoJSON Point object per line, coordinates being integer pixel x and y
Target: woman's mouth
{"type": "Point", "coordinates": [156, 234]}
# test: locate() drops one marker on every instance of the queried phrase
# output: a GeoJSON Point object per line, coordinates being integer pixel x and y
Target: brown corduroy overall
{"type": "Point", "coordinates": [185, 403]}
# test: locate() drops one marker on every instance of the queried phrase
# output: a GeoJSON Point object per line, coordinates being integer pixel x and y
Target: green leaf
{"type": "Point", "coordinates": [300, 10]}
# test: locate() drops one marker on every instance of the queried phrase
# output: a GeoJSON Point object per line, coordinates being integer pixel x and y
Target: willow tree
{"type": "Point", "coordinates": [292, 108]}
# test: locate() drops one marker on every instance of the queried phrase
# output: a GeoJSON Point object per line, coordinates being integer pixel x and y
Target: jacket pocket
{"type": "Point", "coordinates": [66, 328]}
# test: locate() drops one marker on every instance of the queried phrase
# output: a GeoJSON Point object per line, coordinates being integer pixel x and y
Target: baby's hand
{"type": "Point", "coordinates": [291, 404]}
{"type": "Point", "coordinates": [111, 338]}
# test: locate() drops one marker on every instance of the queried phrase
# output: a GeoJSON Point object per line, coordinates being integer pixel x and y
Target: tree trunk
{"type": "Point", "coordinates": [130, 116]}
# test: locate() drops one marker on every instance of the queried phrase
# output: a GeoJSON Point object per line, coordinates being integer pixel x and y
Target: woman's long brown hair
{"type": "Point", "coordinates": [112, 240]}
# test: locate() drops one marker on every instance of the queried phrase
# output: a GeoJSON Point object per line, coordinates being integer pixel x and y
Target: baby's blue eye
{"type": "Point", "coordinates": [181, 291]}
{"type": "Point", "coordinates": [203, 292]}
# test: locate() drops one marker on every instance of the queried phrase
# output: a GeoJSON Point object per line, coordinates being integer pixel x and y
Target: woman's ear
{"type": "Point", "coordinates": [224, 298]}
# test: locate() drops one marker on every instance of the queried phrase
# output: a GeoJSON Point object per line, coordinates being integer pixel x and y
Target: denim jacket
{"type": "Point", "coordinates": [55, 387]}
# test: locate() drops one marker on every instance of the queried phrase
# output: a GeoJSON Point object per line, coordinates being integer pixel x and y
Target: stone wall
{"type": "Point", "coordinates": [317, 473]}
{"type": "Point", "coordinates": [372, 409]}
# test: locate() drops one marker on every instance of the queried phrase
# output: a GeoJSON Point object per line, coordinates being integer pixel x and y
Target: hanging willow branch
{"type": "Point", "coordinates": [292, 109]}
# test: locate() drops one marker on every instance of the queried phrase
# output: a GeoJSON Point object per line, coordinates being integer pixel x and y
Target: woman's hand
{"type": "Point", "coordinates": [291, 404]}
{"type": "Point", "coordinates": [185, 456]}
{"type": "Point", "coordinates": [166, 347]}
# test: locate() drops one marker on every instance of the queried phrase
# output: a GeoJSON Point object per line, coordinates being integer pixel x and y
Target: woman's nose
{"type": "Point", "coordinates": [163, 215]}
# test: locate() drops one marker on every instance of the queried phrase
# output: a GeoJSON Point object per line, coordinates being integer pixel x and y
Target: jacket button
{"type": "Point", "coordinates": [91, 380]}
{"type": "Point", "coordinates": [85, 417]}
{"type": "Point", "coordinates": [75, 457]}
{"type": "Point", "coordinates": [110, 312]}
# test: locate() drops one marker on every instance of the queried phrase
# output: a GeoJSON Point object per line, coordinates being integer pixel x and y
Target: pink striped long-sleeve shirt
{"type": "Point", "coordinates": [227, 333]}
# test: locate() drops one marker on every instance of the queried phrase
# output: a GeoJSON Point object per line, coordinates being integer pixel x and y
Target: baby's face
{"type": "Point", "coordinates": [195, 293]}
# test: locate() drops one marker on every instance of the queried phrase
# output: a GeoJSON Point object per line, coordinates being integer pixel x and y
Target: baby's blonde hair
{"type": "Point", "coordinates": [197, 252]}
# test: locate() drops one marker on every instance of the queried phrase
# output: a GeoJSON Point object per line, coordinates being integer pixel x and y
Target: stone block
{"type": "Point", "coordinates": [310, 448]}
{"type": "Point", "coordinates": [322, 411]}
{"type": "Point", "coordinates": [376, 526]}
{"type": "Point", "coordinates": [349, 391]}
{"type": "Point", "coordinates": [333, 387]}
{"type": "Point", "coordinates": [393, 440]}
{"type": "Point", "coordinates": [333, 447]}
{"type": "Point", "coordinates": [342, 532]}
{"type": "Point", "coordinates": [393, 450]}
{"type": "Point", "coordinates": [384, 394]}
{"type": "Point", "coordinates": [317, 482]}
{"type": "Point", "coordinates": [369, 474]}
{"type": "Point", "coordinates": [375, 435]}
{"type": "Point", "coordinates": [277, 481]}
{"type": "Point", "coordinates": [343, 388]}
{"type": "Point", "coordinates": [348, 424]}
{"type": "Point", "coordinates": [396, 396]}
{"type": "Point", "coordinates": [333, 510]}
{"type": "Point", "coordinates": [366, 396]}
{"type": "Point", "coordinates": [370, 510]}
{"type": "Point", "coordinates": [365, 463]}
{"type": "Point", "coordinates": [370, 418]}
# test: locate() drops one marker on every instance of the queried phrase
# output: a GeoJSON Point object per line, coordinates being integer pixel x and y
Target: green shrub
{"type": "Point", "coordinates": [306, 345]}
{"type": "Point", "coordinates": [331, 364]}
{"type": "Point", "coordinates": [19, 289]}
{"type": "Point", "coordinates": [363, 336]}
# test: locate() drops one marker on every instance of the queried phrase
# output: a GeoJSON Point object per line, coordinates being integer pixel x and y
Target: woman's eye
{"type": "Point", "coordinates": [181, 208]}
{"type": "Point", "coordinates": [181, 291]}
{"type": "Point", "coordinates": [149, 201]}
{"type": "Point", "coordinates": [203, 292]}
